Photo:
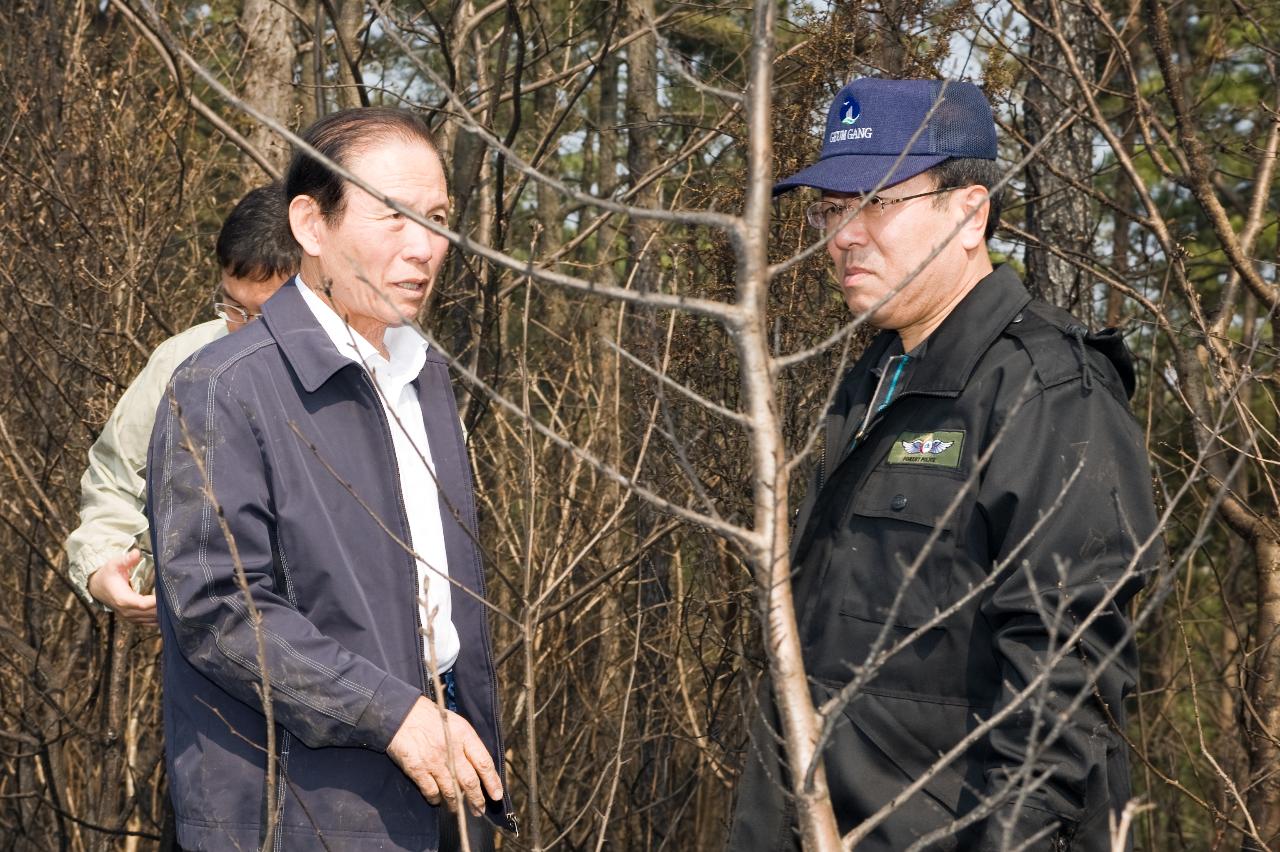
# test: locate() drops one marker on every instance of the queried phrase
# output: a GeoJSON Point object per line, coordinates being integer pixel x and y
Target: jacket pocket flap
{"type": "Point", "coordinates": [878, 723]}
{"type": "Point", "coordinates": [919, 498]}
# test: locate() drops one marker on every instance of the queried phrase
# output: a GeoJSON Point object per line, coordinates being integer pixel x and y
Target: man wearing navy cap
{"type": "Point", "coordinates": [980, 516]}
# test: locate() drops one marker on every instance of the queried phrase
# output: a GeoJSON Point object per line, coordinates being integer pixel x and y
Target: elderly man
{"type": "Point", "coordinates": [979, 519]}
{"type": "Point", "coordinates": [105, 557]}
{"type": "Point", "coordinates": [315, 537]}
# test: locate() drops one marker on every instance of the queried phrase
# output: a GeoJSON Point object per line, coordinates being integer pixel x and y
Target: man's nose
{"type": "Point", "coordinates": [852, 232]}
{"type": "Point", "coordinates": [419, 243]}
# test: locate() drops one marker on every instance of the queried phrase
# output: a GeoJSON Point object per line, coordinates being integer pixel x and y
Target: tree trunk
{"type": "Point", "coordinates": [607, 163]}
{"type": "Point", "coordinates": [550, 214]}
{"type": "Point", "coordinates": [1264, 690]}
{"type": "Point", "coordinates": [640, 115]}
{"type": "Point", "coordinates": [652, 571]}
{"type": "Point", "coordinates": [1058, 213]}
{"type": "Point", "coordinates": [642, 135]}
{"type": "Point", "coordinates": [268, 81]}
{"type": "Point", "coordinates": [890, 50]}
{"type": "Point", "coordinates": [768, 550]}
{"type": "Point", "coordinates": [1122, 194]}
{"type": "Point", "coordinates": [350, 88]}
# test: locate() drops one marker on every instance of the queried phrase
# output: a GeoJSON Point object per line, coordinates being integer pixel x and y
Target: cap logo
{"type": "Point", "coordinates": [850, 111]}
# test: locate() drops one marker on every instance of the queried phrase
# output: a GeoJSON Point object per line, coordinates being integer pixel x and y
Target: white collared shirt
{"type": "Point", "coordinates": [393, 378]}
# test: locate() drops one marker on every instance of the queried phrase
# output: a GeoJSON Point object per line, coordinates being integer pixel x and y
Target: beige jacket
{"type": "Point", "coordinates": [113, 488]}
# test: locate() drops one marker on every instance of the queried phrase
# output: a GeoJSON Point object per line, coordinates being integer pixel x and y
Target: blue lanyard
{"type": "Point", "coordinates": [893, 385]}
{"type": "Point", "coordinates": [888, 397]}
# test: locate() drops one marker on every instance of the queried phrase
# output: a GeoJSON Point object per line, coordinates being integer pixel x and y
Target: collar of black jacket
{"type": "Point", "coordinates": [305, 345]}
{"type": "Point", "coordinates": [968, 331]}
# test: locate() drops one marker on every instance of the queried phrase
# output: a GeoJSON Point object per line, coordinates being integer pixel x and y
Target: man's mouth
{"type": "Point", "coordinates": [412, 286]}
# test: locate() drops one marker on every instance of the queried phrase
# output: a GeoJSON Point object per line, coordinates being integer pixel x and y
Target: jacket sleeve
{"type": "Point", "coordinates": [321, 692]}
{"type": "Point", "coordinates": [112, 489]}
{"type": "Point", "coordinates": [1051, 580]}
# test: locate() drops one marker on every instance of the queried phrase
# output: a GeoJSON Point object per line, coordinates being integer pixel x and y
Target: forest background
{"type": "Point", "coordinates": [613, 428]}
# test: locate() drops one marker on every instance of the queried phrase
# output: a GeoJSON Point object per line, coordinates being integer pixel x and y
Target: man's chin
{"type": "Point", "coordinates": [857, 309]}
{"type": "Point", "coordinates": [408, 315]}
{"type": "Point", "coordinates": [405, 308]}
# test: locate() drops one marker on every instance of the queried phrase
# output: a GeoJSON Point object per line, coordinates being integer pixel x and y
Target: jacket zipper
{"type": "Point", "coordinates": [899, 362]}
{"type": "Point", "coordinates": [869, 419]}
{"type": "Point", "coordinates": [822, 461]}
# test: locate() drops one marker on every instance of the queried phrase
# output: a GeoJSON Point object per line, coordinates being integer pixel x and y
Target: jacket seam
{"type": "Point", "coordinates": [253, 669]}
{"type": "Point", "coordinates": [282, 767]}
{"type": "Point", "coordinates": [287, 576]}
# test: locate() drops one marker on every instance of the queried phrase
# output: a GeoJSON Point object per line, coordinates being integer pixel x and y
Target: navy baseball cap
{"type": "Point", "coordinates": [871, 122]}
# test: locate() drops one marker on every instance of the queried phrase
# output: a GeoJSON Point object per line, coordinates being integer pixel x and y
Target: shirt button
{"type": "Point", "coordinates": [898, 503]}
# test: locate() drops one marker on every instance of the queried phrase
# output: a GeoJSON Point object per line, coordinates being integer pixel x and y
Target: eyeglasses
{"type": "Point", "coordinates": [233, 313]}
{"type": "Point", "coordinates": [827, 215]}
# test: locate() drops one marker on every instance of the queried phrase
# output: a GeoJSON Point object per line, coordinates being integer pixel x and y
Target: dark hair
{"type": "Point", "coordinates": [338, 136]}
{"type": "Point", "coordinates": [972, 171]}
{"type": "Point", "coordinates": [255, 242]}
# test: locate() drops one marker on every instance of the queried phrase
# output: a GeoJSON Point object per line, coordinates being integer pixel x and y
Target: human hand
{"type": "Point", "coordinates": [419, 749]}
{"type": "Point", "coordinates": [110, 585]}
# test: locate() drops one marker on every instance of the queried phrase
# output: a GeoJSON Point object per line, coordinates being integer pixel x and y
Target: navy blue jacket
{"type": "Point", "coordinates": [293, 457]}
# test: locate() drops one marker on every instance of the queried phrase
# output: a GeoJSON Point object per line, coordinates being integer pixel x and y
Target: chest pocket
{"type": "Point", "coordinates": [917, 498]}
{"type": "Point", "coordinates": [897, 521]}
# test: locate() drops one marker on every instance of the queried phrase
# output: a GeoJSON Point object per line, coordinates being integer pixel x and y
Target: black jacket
{"type": "Point", "coordinates": [296, 453]}
{"type": "Point", "coordinates": [1009, 401]}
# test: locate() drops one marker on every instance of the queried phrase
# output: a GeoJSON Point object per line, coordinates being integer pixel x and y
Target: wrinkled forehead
{"type": "Point", "coordinates": [400, 165]}
{"type": "Point", "coordinates": [377, 143]}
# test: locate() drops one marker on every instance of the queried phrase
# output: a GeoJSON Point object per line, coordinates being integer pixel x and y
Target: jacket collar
{"type": "Point", "coordinates": [304, 342]}
{"type": "Point", "coordinates": [967, 333]}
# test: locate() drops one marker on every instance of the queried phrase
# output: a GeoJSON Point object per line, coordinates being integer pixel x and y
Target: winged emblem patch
{"type": "Point", "coordinates": [936, 449]}
{"type": "Point", "coordinates": [932, 447]}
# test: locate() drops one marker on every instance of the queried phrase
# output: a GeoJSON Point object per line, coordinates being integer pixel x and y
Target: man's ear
{"type": "Point", "coordinates": [306, 222]}
{"type": "Point", "coordinates": [975, 200]}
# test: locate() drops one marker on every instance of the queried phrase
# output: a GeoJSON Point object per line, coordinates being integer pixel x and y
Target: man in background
{"type": "Point", "coordinates": [107, 554]}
